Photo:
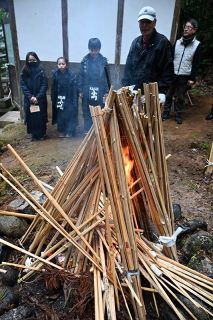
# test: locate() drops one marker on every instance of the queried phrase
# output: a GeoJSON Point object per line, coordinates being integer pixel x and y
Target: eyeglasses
{"type": "Point", "coordinates": [185, 26]}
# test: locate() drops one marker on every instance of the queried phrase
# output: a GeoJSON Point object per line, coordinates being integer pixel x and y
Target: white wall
{"type": "Point", "coordinates": [164, 10]}
{"type": "Point", "coordinates": [92, 19]}
{"type": "Point", "coordinates": [39, 28]}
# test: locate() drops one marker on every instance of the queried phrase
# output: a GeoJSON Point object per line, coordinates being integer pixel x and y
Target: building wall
{"type": "Point", "coordinates": [39, 26]}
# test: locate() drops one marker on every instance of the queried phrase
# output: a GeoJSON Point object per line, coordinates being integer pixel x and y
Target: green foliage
{"type": "Point", "coordinates": [202, 11]}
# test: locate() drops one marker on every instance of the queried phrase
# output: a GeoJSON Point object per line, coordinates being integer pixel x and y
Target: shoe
{"type": "Point", "coordinates": [179, 120]}
{"type": "Point", "coordinates": [68, 135]}
{"type": "Point", "coordinates": [73, 133]}
{"type": "Point", "coordinates": [210, 116]}
{"type": "Point", "coordinates": [61, 135]}
{"type": "Point", "coordinates": [165, 115]}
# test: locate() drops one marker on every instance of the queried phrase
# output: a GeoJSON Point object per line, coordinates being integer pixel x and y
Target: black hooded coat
{"type": "Point", "coordinates": [65, 114]}
{"type": "Point", "coordinates": [35, 83]}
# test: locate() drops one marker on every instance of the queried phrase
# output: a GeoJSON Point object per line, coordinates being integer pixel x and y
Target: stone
{"type": "Point", "coordinates": [19, 313]}
{"type": "Point", "coordinates": [200, 241]}
{"type": "Point", "coordinates": [198, 312]}
{"type": "Point", "coordinates": [8, 298]}
{"type": "Point", "coordinates": [201, 264]}
{"type": "Point", "coordinates": [10, 277]}
{"type": "Point", "coordinates": [12, 226]}
{"type": "Point", "coordinates": [39, 196]}
{"type": "Point", "coordinates": [18, 205]}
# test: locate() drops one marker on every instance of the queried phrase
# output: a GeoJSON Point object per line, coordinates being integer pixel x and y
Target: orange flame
{"type": "Point", "coordinates": [128, 164]}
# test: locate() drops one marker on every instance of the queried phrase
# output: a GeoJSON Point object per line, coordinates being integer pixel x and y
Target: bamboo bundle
{"type": "Point", "coordinates": [102, 214]}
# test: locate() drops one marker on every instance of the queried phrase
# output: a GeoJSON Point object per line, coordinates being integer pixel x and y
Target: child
{"type": "Point", "coordinates": [64, 99]}
{"type": "Point", "coordinates": [34, 86]}
{"type": "Point", "coordinates": [92, 84]}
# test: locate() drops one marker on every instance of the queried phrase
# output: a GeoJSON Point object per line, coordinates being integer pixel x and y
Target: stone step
{"type": "Point", "coordinates": [10, 117]}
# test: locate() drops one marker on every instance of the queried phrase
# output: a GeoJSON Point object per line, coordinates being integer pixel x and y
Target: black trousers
{"type": "Point", "coordinates": [86, 111]}
{"type": "Point", "coordinates": [176, 90]}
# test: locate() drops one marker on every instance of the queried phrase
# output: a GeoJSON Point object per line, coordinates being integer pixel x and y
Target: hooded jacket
{"type": "Point", "coordinates": [92, 73]}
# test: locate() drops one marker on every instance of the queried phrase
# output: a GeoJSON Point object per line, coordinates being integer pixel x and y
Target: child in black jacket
{"type": "Point", "coordinates": [64, 99]}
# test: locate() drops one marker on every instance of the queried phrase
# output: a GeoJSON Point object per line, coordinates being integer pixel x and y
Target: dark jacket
{"type": "Point", "coordinates": [92, 73]}
{"type": "Point", "coordinates": [35, 84]}
{"type": "Point", "coordinates": [151, 64]}
{"type": "Point", "coordinates": [64, 85]}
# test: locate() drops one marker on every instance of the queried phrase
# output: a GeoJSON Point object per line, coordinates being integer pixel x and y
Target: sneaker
{"type": "Point", "coordinates": [68, 135]}
{"type": "Point", "coordinates": [61, 135]}
{"type": "Point", "coordinates": [165, 115]}
{"type": "Point", "coordinates": [73, 133]}
{"type": "Point", "coordinates": [210, 116]}
{"type": "Point", "coordinates": [179, 120]}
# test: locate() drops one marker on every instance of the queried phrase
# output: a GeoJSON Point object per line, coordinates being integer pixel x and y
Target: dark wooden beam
{"type": "Point", "coordinates": [64, 8]}
{"type": "Point", "coordinates": [175, 21]}
{"type": "Point", "coordinates": [14, 33]}
{"type": "Point", "coordinates": [15, 88]}
{"type": "Point", "coordinates": [119, 30]}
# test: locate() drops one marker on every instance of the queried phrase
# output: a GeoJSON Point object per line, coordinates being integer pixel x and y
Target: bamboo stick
{"type": "Point", "coordinates": [18, 214]}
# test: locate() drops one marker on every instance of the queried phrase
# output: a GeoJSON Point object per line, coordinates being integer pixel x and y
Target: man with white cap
{"type": "Point", "coordinates": [150, 55]}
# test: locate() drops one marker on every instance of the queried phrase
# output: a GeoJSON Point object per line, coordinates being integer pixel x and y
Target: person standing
{"type": "Point", "coordinates": [64, 99]}
{"type": "Point", "coordinates": [187, 53]}
{"type": "Point", "coordinates": [92, 84]}
{"type": "Point", "coordinates": [150, 56]}
{"type": "Point", "coordinates": [34, 84]}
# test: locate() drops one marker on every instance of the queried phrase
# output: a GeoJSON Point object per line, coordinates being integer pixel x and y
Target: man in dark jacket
{"type": "Point", "coordinates": [150, 57]}
{"type": "Point", "coordinates": [92, 84]}
{"type": "Point", "coordinates": [187, 54]}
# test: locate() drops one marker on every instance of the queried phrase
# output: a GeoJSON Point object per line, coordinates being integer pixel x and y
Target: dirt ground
{"type": "Point", "coordinates": [189, 145]}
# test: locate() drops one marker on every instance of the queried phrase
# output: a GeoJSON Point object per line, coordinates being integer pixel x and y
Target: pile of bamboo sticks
{"type": "Point", "coordinates": [105, 218]}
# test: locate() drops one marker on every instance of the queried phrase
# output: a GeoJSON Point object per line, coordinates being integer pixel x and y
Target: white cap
{"type": "Point", "coordinates": [147, 13]}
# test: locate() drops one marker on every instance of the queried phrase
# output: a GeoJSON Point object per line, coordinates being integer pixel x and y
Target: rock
{"type": "Point", "coordinates": [177, 211]}
{"type": "Point", "coordinates": [166, 313]}
{"type": "Point", "coordinates": [39, 196]}
{"type": "Point", "coordinates": [12, 226]}
{"type": "Point", "coordinates": [201, 264]}
{"type": "Point", "coordinates": [198, 312]}
{"type": "Point", "coordinates": [199, 241]}
{"type": "Point", "coordinates": [19, 313]}
{"type": "Point", "coordinates": [18, 205]}
{"type": "Point", "coordinates": [10, 277]}
{"type": "Point", "coordinates": [8, 298]}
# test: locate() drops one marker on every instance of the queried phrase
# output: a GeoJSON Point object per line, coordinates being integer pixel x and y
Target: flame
{"type": "Point", "coordinates": [128, 164]}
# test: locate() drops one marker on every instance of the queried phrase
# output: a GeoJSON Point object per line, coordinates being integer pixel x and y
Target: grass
{"type": "Point", "coordinates": [12, 133]}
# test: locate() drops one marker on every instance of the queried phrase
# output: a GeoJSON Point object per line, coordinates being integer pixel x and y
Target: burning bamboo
{"type": "Point", "coordinates": [102, 215]}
